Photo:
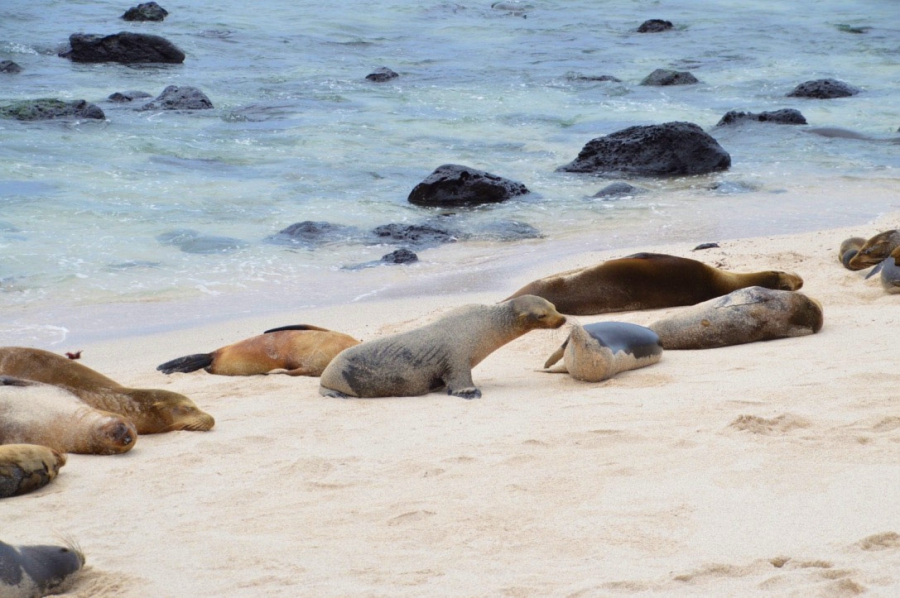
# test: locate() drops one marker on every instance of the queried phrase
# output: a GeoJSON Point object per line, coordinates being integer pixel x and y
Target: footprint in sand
{"type": "Point", "coordinates": [880, 541]}
{"type": "Point", "coordinates": [777, 425]}
{"type": "Point", "coordinates": [410, 517]}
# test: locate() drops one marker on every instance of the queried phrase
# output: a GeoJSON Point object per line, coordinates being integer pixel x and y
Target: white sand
{"type": "Point", "coordinates": [764, 469]}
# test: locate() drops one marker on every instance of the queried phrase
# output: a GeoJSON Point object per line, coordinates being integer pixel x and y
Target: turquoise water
{"type": "Point", "coordinates": [298, 134]}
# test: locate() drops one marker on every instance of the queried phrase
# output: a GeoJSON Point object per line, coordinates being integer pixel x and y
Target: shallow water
{"type": "Point", "coordinates": [298, 134]}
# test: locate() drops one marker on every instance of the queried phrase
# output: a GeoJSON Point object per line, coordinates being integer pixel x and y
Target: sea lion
{"type": "Point", "coordinates": [875, 250]}
{"type": "Point", "coordinates": [848, 250]}
{"type": "Point", "coordinates": [438, 355]}
{"type": "Point", "coordinates": [599, 351]}
{"type": "Point", "coordinates": [151, 410]}
{"type": "Point", "coordinates": [890, 272]}
{"type": "Point", "coordinates": [743, 316]}
{"type": "Point", "coordinates": [27, 467]}
{"type": "Point", "coordinates": [34, 571]}
{"type": "Point", "coordinates": [646, 281]}
{"type": "Point", "coordinates": [300, 350]}
{"type": "Point", "coordinates": [36, 413]}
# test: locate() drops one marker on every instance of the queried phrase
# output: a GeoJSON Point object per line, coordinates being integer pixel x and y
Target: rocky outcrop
{"type": "Point", "coordinates": [669, 149]}
{"type": "Point", "coordinates": [785, 116]}
{"type": "Point", "coordinates": [124, 47]}
{"type": "Point", "coordinates": [654, 26]}
{"type": "Point", "coordinates": [180, 98]}
{"type": "Point", "coordinates": [455, 185]}
{"type": "Point", "coordinates": [122, 97]}
{"type": "Point", "coordinates": [148, 11]}
{"type": "Point", "coordinates": [48, 109]}
{"type": "Point", "coordinates": [823, 89]}
{"type": "Point", "coordinates": [382, 74]}
{"type": "Point", "coordinates": [8, 66]}
{"type": "Point", "coordinates": [669, 77]}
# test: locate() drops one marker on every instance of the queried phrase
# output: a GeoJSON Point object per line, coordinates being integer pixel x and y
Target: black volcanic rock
{"type": "Point", "coordinates": [8, 66]}
{"type": "Point", "coordinates": [180, 98]}
{"type": "Point", "coordinates": [455, 185]}
{"type": "Point", "coordinates": [48, 109]}
{"type": "Point", "coordinates": [823, 89]}
{"type": "Point", "coordinates": [669, 77]}
{"type": "Point", "coordinates": [669, 149]}
{"type": "Point", "coordinates": [785, 116]}
{"type": "Point", "coordinates": [619, 189]}
{"type": "Point", "coordinates": [124, 47]}
{"type": "Point", "coordinates": [381, 74]}
{"type": "Point", "coordinates": [148, 11]}
{"type": "Point", "coordinates": [400, 256]}
{"type": "Point", "coordinates": [419, 235]}
{"type": "Point", "coordinates": [121, 97]}
{"type": "Point", "coordinates": [654, 26]}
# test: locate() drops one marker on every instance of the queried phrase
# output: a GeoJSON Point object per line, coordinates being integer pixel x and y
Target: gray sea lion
{"type": "Point", "coordinates": [438, 355]}
{"type": "Point", "coordinates": [300, 350]}
{"type": "Point", "coordinates": [599, 351]}
{"type": "Point", "coordinates": [743, 316]}
{"type": "Point", "coordinates": [646, 281]}
{"type": "Point", "coordinates": [34, 571]}
{"type": "Point", "coordinates": [27, 467]}
{"type": "Point", "coordinates": [36, 413]}
{"type": "Point", "coordinates": [151, 410]}
{"type": "Point", "coordinates": [875, 250]}
{"type": "Point", "coordinates": [848, 250]}
{"type": "Point", "coordinates": [890, 272]}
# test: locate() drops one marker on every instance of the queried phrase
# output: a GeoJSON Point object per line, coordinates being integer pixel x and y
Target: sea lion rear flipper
{"type": "Point", "coordinates": [556, 356]}
{"type": "Point", "coordinates": [875, 270]}
{"type": "Point", "coordinates": [296, 327]}
{"type": "Point", "coordinates": [188, 363]}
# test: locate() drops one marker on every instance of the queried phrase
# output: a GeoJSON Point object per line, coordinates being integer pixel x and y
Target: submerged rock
{"type": "Point", "coordinates": [654, 26]}
{"type": "Point", "coordinates": [148, 11]}
{"type": "Point", "coordinates": [8, 66]}
{"type": "Point", "coordinates": [619, 189]}
{"type": "Point", "coordinates": [669, 77]}
{"type": "Point", "coordinates": [400, 256]}
{"type": "Point", "coordinates": [669, 149]}
{"type": "Point", "coordinates": [122, 97]}
{"type": "Point", "coordinates": [382, 74]}
{"type": "Point", "coordinates": [504, 230]}
{"type": "Point", "coordinates": [455, 185]}
{"type": "Point", "coordinates": [124, 47]}
{"type": "Point", "coordinates": [191, 241]}
{"type": "Point", "coordinates": [48, 109]}
{"type": "Point", "coordinates": [823, 89]}
{"type": "Point", "coordinates": [785, 116]}
{"type": "Point", "coordinates": [418, 235]}
{"type": "Point", "coordinates": [311, 234]}
{"type": "Point", "coordinates": [599, 78]}
{"type": "Point", "coordinates": [180, 98]}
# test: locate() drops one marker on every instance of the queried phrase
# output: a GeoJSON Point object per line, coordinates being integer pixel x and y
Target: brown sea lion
{"type": "Point", "coordinates": [438, 355]}
{"type": "Point", "coordinates": [875, 250]}
{"type": "Point", "coordinates": [300, 350]}
{"type": "Point", "coordinates": [27, 467]}
{"type": "Point", "coordinates": [33, 571]}
{"type": "Point", "coordinates": [646, 281]}
{"type": "Point", "coordinates": [848, 250]}
{"type": "Point", "coordinates": [599, 351]}
{"type": "Point", "coordinates": [743, 316]}
{"type": "Point", "coordinates": [151, 410]}
{"type": "Point", "coordinates": [36, 413]}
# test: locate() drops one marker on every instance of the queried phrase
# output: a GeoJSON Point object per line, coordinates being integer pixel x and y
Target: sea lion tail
{"type": "Point", "coordinates": [188, 363]}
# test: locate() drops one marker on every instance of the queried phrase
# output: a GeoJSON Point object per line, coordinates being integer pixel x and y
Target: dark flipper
{"type": "Point", "coordinates": [296, 327]}
{"type": "Point", "coordinates": [875, 270]}
{"type": "Point", "coordinates": [557, 355]}
{"type": "Point", "coordinates": [188, 363]}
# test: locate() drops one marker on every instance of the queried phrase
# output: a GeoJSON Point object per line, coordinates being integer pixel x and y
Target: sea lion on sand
{"type": "Point", "coordinates": [34, 571]}
{"type": "Point", "coordinates": [890, 272]}
{"type": "Point", "coordinates": [438, 355]}
{"type": "Point", "coordinates": [848, 250]}
{"type": "Point", "coordinates": [875, 250]}
{"type": "Point", "coordinates": [743, 316]}
{"type": "Point", "coordinates": [36, 413]}
{"type": "Point", "coordinates": [27, 467]}
{"type": "Point", "coordinates": [646, 281]}
{"type": "Point", "coordinates": [151, 410]}
{"type": "Point", "coordinates": [300, 350]}
{"type": "Point", "coordinates": [599, 351]}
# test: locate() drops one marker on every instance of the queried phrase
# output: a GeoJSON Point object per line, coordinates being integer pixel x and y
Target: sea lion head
{"type": "Point", "coordinates": [113, 435]}
{"type": "Point", "coordinates": [533, 312]}
{"type": "Point", "coordinates": [875, 250]}
{"type": "Point", "coordinates": [52, 567]}
{"type": "Point", "coordinates": [172, 411]}
{"type": "Point", "coordinates": [787, 281]}
{"type": "Point", "coordinates": [808, 314]}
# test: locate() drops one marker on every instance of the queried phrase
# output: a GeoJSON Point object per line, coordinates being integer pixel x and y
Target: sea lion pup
{"type": "Point", "coordinates": [848, 250]}
{"type": "Point", "coordinates": [599, 351]}
{"type": "Point", "coordinates": [300, 350]}
{"type": "Point", "coordinates": [27, 467]}
{"type": "Point", "coordinates": [36, 413]}
{"type": "Point", "coordinates": [30, 571]}
{"type": "Point", "coordinates": [875, 250]}
{"type": "Point", "coordinates": [151, 410]}
{"type": "Point", "coordinates": [890, 272]}
{"type": "Point", "coordinates": [743, 316]}
{"type": "Point", "coordinates": [646, 281]}
{"type": "Point", "coordinates": [438, 355]}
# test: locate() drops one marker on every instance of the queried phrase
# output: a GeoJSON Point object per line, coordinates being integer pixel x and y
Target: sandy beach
{"type": "Point", "coordinates": [763, 469]}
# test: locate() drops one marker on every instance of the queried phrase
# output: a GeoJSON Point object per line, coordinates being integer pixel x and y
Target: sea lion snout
{"type": "Point", "coordinates": [120, 436]}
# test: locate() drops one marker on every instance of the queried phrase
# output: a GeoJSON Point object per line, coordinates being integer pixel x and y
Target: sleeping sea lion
{"type": "Point", "coordinates": [36, 413]}
{"type": "Point", "coordinates": [438, 355]}
{"type": "Point", "coordinates": [848, 250]}
{"type": "Point", "coordinates": [875, 250]}
{"type": "Point", "coordinates": [33, 571]}
{"type": "Point", "coordinates": [151, 410]}
{"type": "Point", "coordinates": [599, 351]}
{"type": "Point", "coordinates": [890, 272]}
{"type": "Point", "coordinates": [646, 281]}
{"type": "Point", "coordinates": [300, 350]}
{"type": "Point", "coordinates": [743, 316]}
{"type": "Point", "coordinates": [27, 467]}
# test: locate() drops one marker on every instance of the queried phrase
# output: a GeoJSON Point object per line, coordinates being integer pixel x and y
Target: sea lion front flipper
{"type": "Point", "coordinates": [875, 270]}
{"type": "Point", "coordinates": [186, 364]}
{"type": "Point", "coordinates": [466, 393]}
{"type": "Point", "coordinates": [459, 383]}
{"type": "Point", "coordinates": [556, 356]}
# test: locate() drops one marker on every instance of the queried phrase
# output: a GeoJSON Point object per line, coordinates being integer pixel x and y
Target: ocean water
{"type": "Point", "coordinates": [297, 133]}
